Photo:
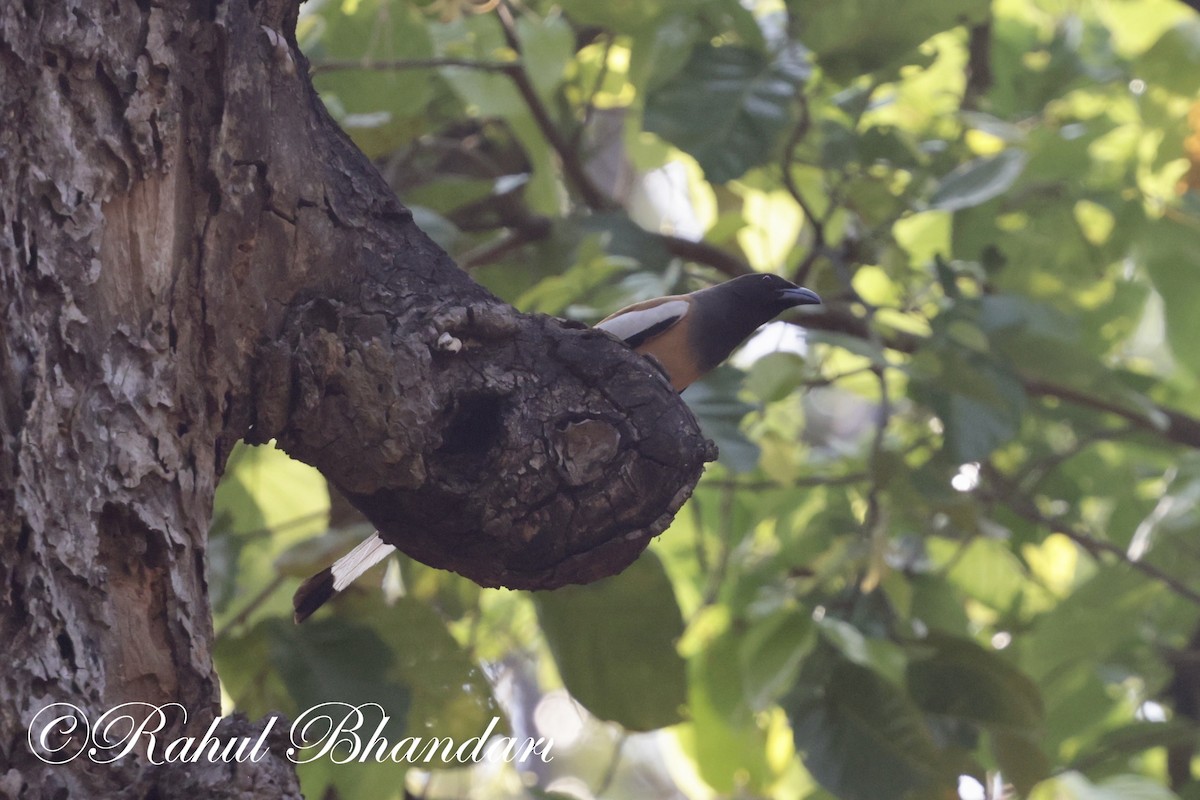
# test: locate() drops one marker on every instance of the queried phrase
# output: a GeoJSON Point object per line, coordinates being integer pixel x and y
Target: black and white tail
{"type": "Point", "coordinates": [317, 590]}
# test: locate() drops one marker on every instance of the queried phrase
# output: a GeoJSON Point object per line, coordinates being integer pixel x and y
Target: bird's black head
{"type": "Point", "coordinates": [771, 292]}
{"type": "Point", "coordinates": [726, 314]}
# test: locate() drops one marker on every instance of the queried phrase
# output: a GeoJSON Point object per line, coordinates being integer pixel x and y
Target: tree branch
{"type": "Point", "coordinates": [697, 251]}
{"type": "Point", "coordinates": [1023, 507]}
{"type": "Point", "coordinates": [1173, 425]}
{"type": "Point", "coordinates": [572, 166]}
{"type": "Point", "coordinates": [704, 253]}
{"type": "Point", "coordinates": [400, 64]}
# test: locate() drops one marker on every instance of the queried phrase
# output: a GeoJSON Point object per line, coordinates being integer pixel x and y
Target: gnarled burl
{"type": "Point", "coordinates": [529, 454]}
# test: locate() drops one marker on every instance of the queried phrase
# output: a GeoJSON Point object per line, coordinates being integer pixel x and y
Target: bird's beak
{"type": "Point", "coordinates": [800, 297]}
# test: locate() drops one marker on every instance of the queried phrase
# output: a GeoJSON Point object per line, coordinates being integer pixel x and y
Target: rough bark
{"type": "Point", "coordinates": [191, 253]}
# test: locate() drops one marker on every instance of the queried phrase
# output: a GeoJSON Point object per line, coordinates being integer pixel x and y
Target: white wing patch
{"type": "Point", "coordinates": [347, 568]}
{"type": "Point", "coordinates": [632, 323]}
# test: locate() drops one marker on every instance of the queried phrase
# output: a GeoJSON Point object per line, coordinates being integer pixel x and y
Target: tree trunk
{"type": "Point", "coordinates": [191, 253]}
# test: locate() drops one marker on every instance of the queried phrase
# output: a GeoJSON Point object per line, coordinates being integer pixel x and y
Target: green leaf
{"type": "Point", "coordinates": [1174, 59]}
{"type": "Point", "coordinates": [975, 429]}
{"type": "Point", "coordinates": [854, 37]}
{"type": "Point", "coordinates": [554, 294]}
{"type": "Point", "coordinates": [452, 192]}
{"type": "Point", "coordinates": [382, 109]}
{"type": "Point", "coordinates": [723, 737]}
{"type": "Point", "coordinates": [317, 552]}
{"type": "Point", "coordinates": [280, 665]}
{"type": "Point", "coordinates": [479, 37]}
{"type": "Point", "coordinates": [661, 51]}
{"type": "Point", "coordinates": [715, 403]}
{"type": "Point", "coordinates": [626, 16]}
{"type": "Point", "coordinates": [243, 663]}
{"type": "Point", "coordinates": [976, 182]}
{"type": "Point", "coordinates": [1086, 627]}
{"type": "Point", "coordinates": [747, 102]}
{"type": "Point", "coordinates": [1073, 786]}
{"type": "Point", "coordinates": [771, 654]}
{"type": "Point", "coordinates": [885, 658]}
{"type": "Point", "coordinates": [958, 678]}
{"type": "Point", "coordinates": [334, 660]}
{"type": "Point", "coordinates": [937, 605]}
{"type": "Point", "coordinates": [1118, 745]}
{"type": "Point", "coordinates": [614, 643]}
{"type": "Point", "coordinates": [449, 694]}
{"type": "Point", "coordinates": [1021, 760]}
{"type": "Point", "coordinates": [621, 236]}
{"type": "Point", "coordinates": [980, 401]}
{"type": "Point", "coordinates": [266, 502]}
{"type": "Point", "coordinates": [1170, 251]}
{"type": "Point", "coordinates": [775, 376]}
{"type": "Point", "coordinates": [546, 47]}
{"type": "Point", "coordinates": [863, 739]}
{"type": "Point", "coordinates": [983, 569]}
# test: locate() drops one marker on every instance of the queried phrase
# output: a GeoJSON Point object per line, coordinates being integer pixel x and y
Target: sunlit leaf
{"type": "Point", "coordinates": [1174, 58]}
{"type": "Point", "coordinates": [1073, 786]}
{"type": "Point", "coordinates": [978, 181]}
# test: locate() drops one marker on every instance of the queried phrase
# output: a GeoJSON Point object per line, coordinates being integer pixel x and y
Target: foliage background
{"type": "Point", "coordinates": [950, 546]}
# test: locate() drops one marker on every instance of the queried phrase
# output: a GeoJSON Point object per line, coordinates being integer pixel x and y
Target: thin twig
{"type": "Point", "coordinates": [797, 483]}
{"type": "Point", "coordinates": [400, 64]}
{"type": "Point", "coordinates": [979, 65]}
{"type": "Point", "coordinates": [610, 772]}
{"type": "Point", "coordinates": [1037, 474]}
{"type": "Point", "coordinates": [536, 229]}
{"type": "Point", "coordinates": [818, 226]}
{"type": "Point", "coordinates": [589, 107]}
{"type": "Point", "coordinates": [283, 526]}
{"type": "Point", "coordinates": [255, 603]}
{"type": "Point", "coordinates": [874, 515]}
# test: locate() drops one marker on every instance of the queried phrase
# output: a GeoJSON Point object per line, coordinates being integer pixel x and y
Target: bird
{"type": "Point", "coordinates": [688, 334]}
{"type": "Point", "coordinates": [320, 588]}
